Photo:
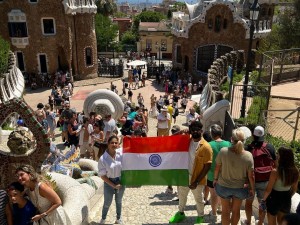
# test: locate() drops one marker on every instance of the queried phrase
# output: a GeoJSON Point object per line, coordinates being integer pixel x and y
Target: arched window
{"type": "Point", "coordinates": [218, 24]}
{"type": "Point", "coordinates": [88, 56]}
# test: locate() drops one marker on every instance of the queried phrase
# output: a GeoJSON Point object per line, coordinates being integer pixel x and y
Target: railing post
{"type": "Point", "coordinates": [296, 124]}
{"type": "Point", "coordinates": [281, 65]}
{"type": "Point", "coordinates": [231, 100]}
{"type": "Point", "coordinates": [260, 66]}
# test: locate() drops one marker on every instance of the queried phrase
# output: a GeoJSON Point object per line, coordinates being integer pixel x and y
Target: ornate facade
{"type": "Point", "coordinates": [213, 28]}
{"type": "Point", "coordinates": [51, 35]}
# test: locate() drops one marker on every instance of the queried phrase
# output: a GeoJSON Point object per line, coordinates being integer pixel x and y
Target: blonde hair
{"type": "Point", "coordinates": [238, 138]}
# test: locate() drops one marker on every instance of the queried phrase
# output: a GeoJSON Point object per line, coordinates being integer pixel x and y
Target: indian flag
{"type": "Point", "coordinates": [155, 161]}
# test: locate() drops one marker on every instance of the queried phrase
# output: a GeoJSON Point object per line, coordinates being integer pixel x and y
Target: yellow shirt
{"type": "Point", "coordinates": [203, 155]}
{"type": "Point", "coordinates": [170, 111]}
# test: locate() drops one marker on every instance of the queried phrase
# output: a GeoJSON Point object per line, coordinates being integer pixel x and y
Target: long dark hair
{"type": "Point", "coordinates": [287, 171]}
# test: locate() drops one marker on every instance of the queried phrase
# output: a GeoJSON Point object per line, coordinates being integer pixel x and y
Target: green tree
{"type": "Point", "coordinates": [286, 32]}
{"type": "Point", "coordinates": [120, 15]}
{"type": "Point", "coordinates": [128, 38]}
{"type": "Point", "coordinates": [106, 32]}
{"type": "Point", "coordinates": [180, 5]}
{"type": "Point", "coordinates": [4, 53]}
{"type": "Point", "coordinates": [106, 7]}
{"type": "Point", "coordinates": [146, 16]}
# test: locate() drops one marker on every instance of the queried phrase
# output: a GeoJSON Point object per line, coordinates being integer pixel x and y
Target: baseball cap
{"type": "Point", "coordinates": [259, 132]}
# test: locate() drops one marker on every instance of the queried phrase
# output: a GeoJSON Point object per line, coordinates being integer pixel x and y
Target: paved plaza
{"type": "Point", "coordinates": [141, 205]}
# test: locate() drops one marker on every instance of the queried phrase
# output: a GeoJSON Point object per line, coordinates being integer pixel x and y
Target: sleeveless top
{"type": "Point", "coordinates": [56, 217]}
{"type": "Point", "coordinates": [279, 185]}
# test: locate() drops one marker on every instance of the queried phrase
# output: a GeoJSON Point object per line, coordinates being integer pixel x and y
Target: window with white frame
{"type": "Point", "coordinates": [88, 56]}
{"type": "Point", "coordinates": [48, 26]}
{"type": "Point", "coordinates": [17, 25]}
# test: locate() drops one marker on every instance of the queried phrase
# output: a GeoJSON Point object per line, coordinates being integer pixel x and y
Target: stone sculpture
{"type": "Point", "coordinates": [104, 102]}
{"type": "Point", "coordinates": [11, 90]}
{"type": "Point", "coordinates": [20, 141]}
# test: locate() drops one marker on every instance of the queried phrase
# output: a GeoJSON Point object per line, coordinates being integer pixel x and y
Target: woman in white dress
{"type": "Point", "coordinates": [43, 197]}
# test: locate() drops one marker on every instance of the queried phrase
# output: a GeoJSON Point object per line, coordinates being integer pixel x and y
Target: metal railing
{"type": "Point", "coordinates": [280, 66]}
{"type": "Point", "coordinates": [257, 100]}
{"type": "Point", "coordinates": [110, 70]}
{"type": "Point", "coordinates": [282, 123]}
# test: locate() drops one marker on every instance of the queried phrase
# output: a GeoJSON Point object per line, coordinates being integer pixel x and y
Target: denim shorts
{"type": "Point", "coordinates": [260, 188]}
{"type": "Point", "coordinates": [229, 193]}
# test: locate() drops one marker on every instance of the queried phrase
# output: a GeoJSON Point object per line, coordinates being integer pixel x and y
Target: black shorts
{"type": "Point", "coordinates": [279, 201]}
{"type": "Point", "coordinates": [210, 184]}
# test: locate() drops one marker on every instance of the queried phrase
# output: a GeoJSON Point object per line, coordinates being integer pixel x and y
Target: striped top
{"type": "Point", "coordinates": [3, 202]}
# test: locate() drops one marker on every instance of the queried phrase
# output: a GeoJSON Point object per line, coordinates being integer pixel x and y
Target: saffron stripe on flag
{"type": "Point", "coordinates": [157, 177]}
{"type": "Point", "coordinates": [175, 143]}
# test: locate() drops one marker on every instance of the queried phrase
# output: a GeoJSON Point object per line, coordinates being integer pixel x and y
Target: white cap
{"type": "Point", "coordinates": [259, 131]}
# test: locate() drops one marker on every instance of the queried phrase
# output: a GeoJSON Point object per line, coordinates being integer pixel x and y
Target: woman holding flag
{"type": "Point", "coordinates": [110, 166]}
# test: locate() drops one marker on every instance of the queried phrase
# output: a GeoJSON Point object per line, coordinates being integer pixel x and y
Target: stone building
{"type": "Point", "coordinates": [51, 35]}
{"type": "Point", "coordinates": [155, 39]}
{"type": "Point", "coordinates": [214, 28]}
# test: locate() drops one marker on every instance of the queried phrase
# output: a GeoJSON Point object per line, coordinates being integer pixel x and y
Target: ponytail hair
{"type": "Point", "coordinates": [238, 138]}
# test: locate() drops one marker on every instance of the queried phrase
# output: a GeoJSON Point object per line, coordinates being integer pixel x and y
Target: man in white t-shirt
{"type": "Point", "coordinates": [163, 119]}
{"type": "Point", "coordinates": [192, 116]}
{"type": "Point", "coordinates": [109, 127]}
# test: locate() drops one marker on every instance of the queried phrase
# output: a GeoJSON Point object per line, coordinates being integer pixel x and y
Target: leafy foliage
{"type": "Point", "coordinates": [4, 53]}
{"type": "Point", "coordinates": [120, 15]}
{"type": "Point", "coordinates": [146, 16]}
{"type": "Point", "coordinates": [285, 33]}
{"type": "Point", "coordinates": [278, 142]}
{"type": "Point", "coordinates": [236, 79]}
{"type": "Point", "coordinates": [106, 7]}
{"type": "Point", "coordinates": [106, 32]}
{"type": "Point", "coordinates": [128, 38]}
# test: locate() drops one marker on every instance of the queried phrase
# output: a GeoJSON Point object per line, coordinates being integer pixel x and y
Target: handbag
{"type": "Point", "coordinates": [97, 144]}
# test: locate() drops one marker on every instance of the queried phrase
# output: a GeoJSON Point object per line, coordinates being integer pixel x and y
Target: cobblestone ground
{"type": "Point", "coordinates": [150, 205]}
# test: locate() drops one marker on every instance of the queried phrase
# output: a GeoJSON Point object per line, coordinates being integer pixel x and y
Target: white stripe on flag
{"type": "Point", "coordinates": [155, 161]}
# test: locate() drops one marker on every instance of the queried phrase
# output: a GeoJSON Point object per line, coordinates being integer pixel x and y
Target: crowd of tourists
{"type": "Point", "coordinates": [222, 173]}
{"type": "Point", "coordinates": [232, 172]}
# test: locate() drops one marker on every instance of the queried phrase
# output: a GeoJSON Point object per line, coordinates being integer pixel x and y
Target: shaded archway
{"type": "Point", "coordinates": [63, 63]}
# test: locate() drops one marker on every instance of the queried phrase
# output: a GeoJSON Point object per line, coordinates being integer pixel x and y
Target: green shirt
{"type": "Point", "coordinates": [216, 147]}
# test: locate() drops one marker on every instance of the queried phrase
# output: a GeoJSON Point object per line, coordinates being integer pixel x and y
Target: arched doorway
{"type": "Point", "coordinates": [208, 53]}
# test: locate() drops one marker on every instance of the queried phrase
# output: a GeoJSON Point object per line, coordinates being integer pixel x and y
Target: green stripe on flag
{"type": "Point", "coordinates": [178, 177]}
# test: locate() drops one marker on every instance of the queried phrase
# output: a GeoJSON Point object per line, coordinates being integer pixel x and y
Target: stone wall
{"type": "Point", "coordinates": [217, 75]}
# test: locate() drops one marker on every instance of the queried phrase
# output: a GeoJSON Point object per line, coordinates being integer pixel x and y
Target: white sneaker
{"type": "Point", "coordinates": [102, 221]}
{"type": "Point", "coordinates": [119, 221]}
